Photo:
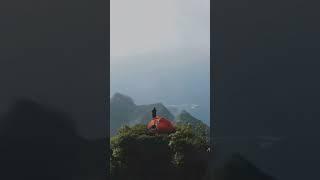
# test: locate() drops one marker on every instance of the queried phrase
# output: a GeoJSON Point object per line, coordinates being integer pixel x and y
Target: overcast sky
{"type": "Point", "coordinates": [144, 26]}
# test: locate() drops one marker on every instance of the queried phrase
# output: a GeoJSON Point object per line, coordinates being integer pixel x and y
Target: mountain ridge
{"type": "Point", "coordinates": [198, 126]}
{"type": "Point", "coordinates": [124, 111]}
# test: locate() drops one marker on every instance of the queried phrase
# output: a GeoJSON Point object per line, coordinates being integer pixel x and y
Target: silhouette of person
{"type": "Point", "coordinates": [154, 112]}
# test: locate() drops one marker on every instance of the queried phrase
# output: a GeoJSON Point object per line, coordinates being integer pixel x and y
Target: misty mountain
{"type": "Point", "coordinates": [174, 110]}
{"type": "Point", "coordinates": [123, 111]}
{"type": "Point", "coordinates": [186, 118]}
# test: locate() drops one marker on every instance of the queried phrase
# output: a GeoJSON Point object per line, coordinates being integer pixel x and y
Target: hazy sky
{"type": "Point", "coordinates": [142, 26]}
{"type": "Point", "coordinates": [160, 51]}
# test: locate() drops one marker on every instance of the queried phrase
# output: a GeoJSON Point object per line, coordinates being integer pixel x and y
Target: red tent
{"type": "Point", "coordinates": [160, 125]}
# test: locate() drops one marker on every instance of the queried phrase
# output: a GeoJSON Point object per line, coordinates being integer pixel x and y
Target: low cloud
{"type": "Point", "coordinates": [177, 108]}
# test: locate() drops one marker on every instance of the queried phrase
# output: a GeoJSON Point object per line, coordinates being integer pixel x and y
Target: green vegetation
{"type": "Point", "coordinates": [199, 128]}
{"type": "Point", "coordinates": [135, 155]}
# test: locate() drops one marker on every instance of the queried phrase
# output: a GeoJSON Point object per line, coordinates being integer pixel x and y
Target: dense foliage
{"type": "Point", "coordinates": [136, 155]}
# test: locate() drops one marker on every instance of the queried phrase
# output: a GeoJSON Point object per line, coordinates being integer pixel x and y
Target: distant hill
{"type": "Point", "coordinates": [120, 108]}
{"type": "Point", "coordinates": [186, 118]}
{"type": "Point", "coordinates": [123, 111]}
{"type": "Point", "coordinates": [174, 110]}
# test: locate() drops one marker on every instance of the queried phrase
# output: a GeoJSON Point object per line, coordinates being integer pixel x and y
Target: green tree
{"type": "Point", "coordinates": [190, 152]}
{"type": "Point", "coordinates": [137, 155]}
